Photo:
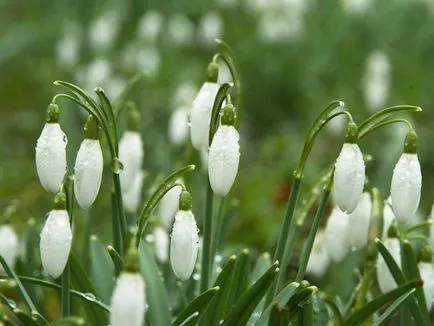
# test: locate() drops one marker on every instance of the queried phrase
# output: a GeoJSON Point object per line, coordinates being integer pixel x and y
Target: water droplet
{"type": "Point", "coordinates": [117, 166]}
{"type": "Point", "coordinates": [196, 277]}
{"type": "Point", "coordinates": [149, 238]}
{"type": "Point", "coordinates": [218, 258]}
{"type": "Point", "coordinates": [89, 296]}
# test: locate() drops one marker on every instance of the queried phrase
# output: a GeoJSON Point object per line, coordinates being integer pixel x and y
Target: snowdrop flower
{"type": "Point", "coordinates": [224, 154]}
{"type": "Point", "coordinates": [68, 47]}
{"type": "Point", "coordinates": [161, 244]}
{"type": "Point", "coordinates": [349, 176]}
{"type": "Point", "coordinates": [148, 60]}
{"type": "Point", "coordinates": [359, 221]}
{"type": "Point", "coordinates": [56, 238]}
{"type": "Point", "coordinates": [149, 26]}
{"type": "Point", "coordinates": [319, 259]}
{"type": "Point", "coordinates": [96, 73]}
{"type": "Point", "coordinates": [426, 270]}
{"type": "Point", "coordinates": [388, 218]}
{"type": "Point", "coordinates": [88, 166]}
{"type": "Point", "coordinates": [184, 239]}
{"type": "Point", "coordinates": [131, 150]}
{"type": "Point", "coordinates": [128, 300]}
{"type": "Point", "coordinates": [169, 205]}
{"type": "Point", "coordinates": [210, 27]}
{"type": "Point", "coordinates": [8, 245]}
{"type": "Point", "coordinates": [336, 234]}
{"type": "Point", "coordinates": [178, 126]}
{"type": "Point", "coordinates": [384, 277]}
{"type": "Point", "coordinates": [202, 107]}
{"type": "Point", "coordinates": [185, 95]}
{"type": "Point", "coordinates": [180, 29]}
{"type": "Point", "coordinates": [51, 152]}
{"type": "Point", "coordinates": [103, 31]}
{"type": "Point", "coordinates": [132, 197]}
{"type": "Point", "coordinates": [406, 182]}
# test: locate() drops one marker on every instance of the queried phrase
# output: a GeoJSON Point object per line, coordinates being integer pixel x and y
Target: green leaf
{"type": "Point", "coordinates": [119, 103]}
{"type": "Point", "coordinates": [191, 320]}
{"type": "Point", "coordinates": [81, 282]}
{"type": "Point", "coordinates": [359, 316]}
{"type": "Point", "coordinates": [198, 305]}
{"type": "Point", "coordinates": [215, 113]}
{"type": "Point", "coordinates": [279, 315]}
{"type": "Point", "coordinates": [81, 94]}
{"type": "Point", "coordinates": [24, 318]}
{"type": "Point", "coordinates": [156, 295]}
{"type": "Point", "coordinates": [116, 258]}
{"type": "Point", "coordinates": [320, 312]}
{"type": "Point", "coordinates": [246, 304]}
{"type": "Point", "coordinates": [262, 264]}
{"type": "Point", "coordinates": [393, 308]}
{"type": "Point", "coordinates": [102, 271]}
{"type": "Point", "coordinates": [69, 321]}
{"type": "Point", "coordinates": [300, 299]}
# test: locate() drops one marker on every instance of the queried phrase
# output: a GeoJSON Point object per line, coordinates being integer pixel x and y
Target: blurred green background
{"type": "Point", "coordinates": [295, 57]}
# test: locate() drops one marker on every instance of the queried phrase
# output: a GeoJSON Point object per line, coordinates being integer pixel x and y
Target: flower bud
{"type": "Point", "coordinates": [224, 158]}
{"type": "Point", "coordinates": [131, 155]}
{"type": "Point", "coordinates": [128, 301]}
{"type": "Point", "coordinates": [178, 127]}
{"type": "Point", "coordinates": [319, 259]}
{"type": "Point", "coordinates": [8, 245]}
{"type": "Point", "coordinates": [169, 205]}
{"type": "Point", "coordinates": [359, 221]}
{"type": "Point", "coordinates": [349, 177]}
{"type": "Point", "coordinates": [200, 117]}
{"type": "Point", "coordinates": [161, 244]}
{"type": "Point", "coordinates": [51, 152]}
{"type": "Point", "coordinates": [336, 234]}
{"type": "Point", "coordinates": [385, 279]}
{"type": "Point", "coordinates": [426, 270]}
{"type": "Point", "coordinates": [56, 239]}
{"type": "Point", "coordinates": [132, 197]}
{"type": "Point", "coordinates": [184, 244]}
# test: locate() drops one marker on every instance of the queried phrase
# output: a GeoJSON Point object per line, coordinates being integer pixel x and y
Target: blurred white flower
{"type": "Point", "coordinates": [180, 29]}
{"type": "Point", "coordinates": [161, 244]}
{"type": "Point", "coordinates": [359, 221]}
{"type": "Point", "coordinates": [178, 126]}
{"type": "Point", "coordinates": [426, 270]}
{"type": "Point", "coordinates": [356, 6]}
{"type": "Point", "coordinates": [8, 245]}
{"type": "Point", "coordinates": [204, 156]}
{"type": "Point", "coordinates": [384, 277]}
{"type": "Point", "coordinates": [128, 301]}
{"type": "Point", "coordinates": [149, 26]}
{"type": "Point", "coordinates": [148, 60]}
{"type": "Point", "coordinates": [114, 87]}
{"type": "Point", "coordinates": [132, 197]}
{"type": "Point", "coordinates": [103, 31]}
{"type": "Point", "coordinates": [349, 177]}
{"type": "Point", "coordinates": [336, 234]}
{"type": "Point", "coordinates": [69, 46]}
{"type": "Point", "coordinates": [319, 259]}
{"type": "Point", "coordinates": [96, 73]}
{"type": "Point", "coordinates": [131, 155]}
{"type": "Point", "coordinates": [388, 218]}
{"type": "Point", "coordinates": [185, 95]}
{"type": "Point", "coordinates": [210, 27]}
{"type": "Point", "coordinates": [169, 205]}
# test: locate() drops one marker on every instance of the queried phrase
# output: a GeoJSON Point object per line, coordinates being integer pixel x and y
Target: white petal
{"type": "Point", "coordinates": [405, 188]}
{"type": "Point", "coordinates": [388, 218]}
{"type": "Point", "coordinates": [51, 157]}
{"type": "Point", "coordinates": [427, 274]}
{"type": "Point", "coordinates": [161, 244]}
{"type": "Point", "coordinates": [128, 301]}
{"type": "Point", "coordinates": [55, 245]}
{"type": "Point", "coordinates": [132, 198]}
{"type": "Point", "coordinates": [131, 155]}
{"type": "Point", "coordinates": [184, 244]}
{"type": "Point", "coordinates": [169, 205]}
{"type": "Point", "coordinates": [319, 259]}
{"type": "Point", "coordinates": [384, 277]}
{"type": "Point", "coordinates": [359, 222]}
{"type": "Point", "coordinates": [201, 115]}
{"type": "Point", "coordinates": [88, 172]}
{"type": "Point", "coordinates": [8, 245]}
{"type": "Point", "coordinates": [178, 127]}
{"type": "Point", "coordinates": [223, 160]}
{"type": "Point", "coordinates": [349, 177]}
{"type": "Point", "coordinates": [336, 234]}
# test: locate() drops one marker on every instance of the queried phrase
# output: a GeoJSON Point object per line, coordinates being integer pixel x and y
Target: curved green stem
{"type": "Point", "coordinates": [207, 260]}
{"type": "Point", "coordinates": [383, 124]}
{"type": "Point", "coordinates": [218, 102]}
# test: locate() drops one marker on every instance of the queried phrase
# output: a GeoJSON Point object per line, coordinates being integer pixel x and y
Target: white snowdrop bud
{"type": "Point", "coordinates": [178, 126]}
{"type": "Point", "coordinates": [169, 205]}
{"type": "Point", "coordinates": [426, 270]}
{"type": "Point", "coordinates": [8, 245]}
{"type": "Point", "coordinates": [51, 152]}
{"type": "Point", "coordinates": [161, 244]}
{"type": "Point", "coordinates": [388, 218]}
{"type": "Point", "coordinates": [88, 166]}
{"type": "Point", "coordinates": [56, 238]}
{"type": "Point", "coordinates": [385, 279]}
{"type": "Point", "coordinates": [359, 221]}
{"type": "Point", "coordinates": [132, 196]}
{"type": "Point", "coordinates": [184, 240]}
{"type": "Point", "coordinates": [200, 117]}
{"type": "Point", "coordinates": [336, 234]}
{"type": "Point", "coordinates": [128, 300]}
{"type": "Point", "coordinates": [319, 259]}
{"type": "Point", "coordinates": [349, 176]}
{"type": "Point", "coordinates": [406, 182]}
{"type": "Point", "coordinates": [224, 154]}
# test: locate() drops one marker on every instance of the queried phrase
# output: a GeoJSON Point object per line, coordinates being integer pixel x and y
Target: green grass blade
{"type": "Point", "coordinates": [393, 308]}
{"type": "Point", "coordinates": [117, 260]}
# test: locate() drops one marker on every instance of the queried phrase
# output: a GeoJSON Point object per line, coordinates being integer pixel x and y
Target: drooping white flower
{"type": "Point", "coordinates": [51, 152]}
{"type": "Point", "coordinates": [426, 270]}
{"type": "Point", "coordinates": [336, 234]}
{"type": "Point", "coordinates": [184, 244]}
{"type": "Point", "coordinates": [131, 155]}
{"type": "Point", "coordinates": [88, 170]}
{"type": "Point", "coordinates": [128, 301]}
{"type": "Point", "coordinates": [201, 115]}
{"type": "Point", "coordinates": [406, 186]}
{"type": "Point", "coordinates": [8, 245]}
{"type": "Point", "coordinates": [384, 277]}
{"type": "Point", "coordinates": [178, 126]}
{"type": "Point", "coordinates": [132, 196]}
{"type": "Point", "coordinates": [319, 259]}
{"type": "Point", "coordinates": [161, 244]}
{"type": "Point", "coordinates": [149, 26]}
{"type": "Point", "coordinates": [55, 245]}
{"type": "Point", "coordinates": [223, 160]}
{"type": "Point", "coordinates": [388, 218]}
{"type": "Point", "coordinates": [349, 177]}
{"type": "Point", "coordinates": [169, 205]}
{"type": "Point", "coordinates": [359, 221]}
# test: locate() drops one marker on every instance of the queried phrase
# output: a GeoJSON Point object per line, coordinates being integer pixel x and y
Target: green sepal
{"type": "Point", "coordinates": [212, 72]}
{"type": "Point", "coordinates": [53, 113]}
{"type": "Point", "coordinates": [59, 202]}
{"type": "Point", "coordinates": [228, 115]}
{"type": "Point", "coordinates": [352, 134]}
{"type": "Point", "coordinates": [185, 201]}
{"type": "Point", "coordinates": [410, 143]}
{"type": "Point", "coordinates": [91, 128]}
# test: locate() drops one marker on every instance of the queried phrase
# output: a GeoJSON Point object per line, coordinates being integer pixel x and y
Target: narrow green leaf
{"type": "Point", "coordinates": [116, 258]}
{"type": "Point", "coordinates": [198, 305]}
{"type": "Point", "coordinates": [102, 271]}
{"type": "Point", "coordinates": [215, 113]}
{"type": "Point", "coordinates": [246, 304]}
{"type": "Point", "coordinates": [79, 93]}
{"type": "Point", "coordinates": [158, 310]}
{"type": "Point", "coordinates": [320, 311]}
{"type": "Point", "coordinates": [359, 316]}
{"type": "Point", "coordinates": [191, 320]}
{"type": "Point", "coordinates": [262, 264]}
{"type": "Point", "coordinates": [333, 307]}
{"type": "Point", "coordinates": [279, 315]}
{"type": "Point", "coordinates": [393, 308]}
{"type": "Point", "coordinates": [24, 318]}
{"type": "Point", "coordinates": [301, 298]}
{"type": "Point", "coordinates": [70, 321]}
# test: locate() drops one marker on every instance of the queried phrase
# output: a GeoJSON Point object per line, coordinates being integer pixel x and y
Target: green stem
{"type": "Point", "coordinates": [217, 229]}
{"type": "Point", "coordinates": [120, 213]}
{"type": "Point", "coordinates": [384, 124]}
{"type": "Point", "coordinates": [117, 243]}
{"type": "Point", "coordinates": [207, 260]}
